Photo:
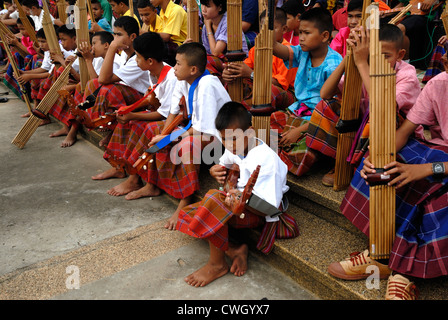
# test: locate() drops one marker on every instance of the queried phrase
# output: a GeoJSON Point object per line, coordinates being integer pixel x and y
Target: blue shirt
{"type": "Point", "coordinates": [309, 80]}
{"type": "Point", "coordinates": [103, 24]}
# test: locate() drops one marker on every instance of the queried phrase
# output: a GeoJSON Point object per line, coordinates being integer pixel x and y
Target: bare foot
{"type": "Point", "coordinates": [125, 187]}
{"type": "Point", "coordinates": [108, 174]}
{"type": "Point", "coordinates": [61, 132]}
{"type": "Point", "coordinates": [70, 139]}
{"type": "Point", "coordinates": [148, 190]}
{"type": "Point", "coordinates": [206, 274]}
{"type": "Point", "coordinates": [238, 255]}
{"type": "Point", "coordinates": [25, 115]}
{"type": "Point", "coordinates": [172, 221]}
{"type": "Point", "coordinates": [44, 122]}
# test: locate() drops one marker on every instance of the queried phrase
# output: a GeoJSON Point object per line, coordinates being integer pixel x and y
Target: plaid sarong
{"type": "Point", "coordinates": [420, 247]}
{"type": "Point", "coordinates": [46, 84]}
{"type": "Point", "coordinates": [435, 65]}
{"type": "Point", "coordinates": [215, 65]}
{"type": "Point", "coordinates": [322, 135]}
{"type": "Point", "coordinates": [280, 98]}
{"type": "Point", "coordinates": [298, 157]}
{"type": "Point", "coordinates": [210, 219]}
{"type": "Point", "coordinates": [10, 81]}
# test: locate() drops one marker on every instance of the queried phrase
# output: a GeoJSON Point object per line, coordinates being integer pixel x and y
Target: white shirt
{"type": "Point", "coordinates": [96, 63]}
{"type": "Point", "coordinates": [131, 75]}
{"type": "Point", "coordinates": [164, 91]}
{"type": "Point", "coordinates": [38, 20]}
{"type": "Point", "coordinates": [46, 61]}
{"type": "Point", "coordinates": [208, 98]}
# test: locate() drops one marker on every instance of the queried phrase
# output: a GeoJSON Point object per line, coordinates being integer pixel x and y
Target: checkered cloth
{"type": "Point", "coordinates": [297, 157]}
{"type": "Point", "coordinates": [435, 65]}
{"type": "Point", "coordinates": [22, 64]}
{"type": "Point", "coordinates": [215, 65]}
{"type": "Point", "coordinates": [46, 84]}
{"type": "Point", "coordinates": [420, 248]}
{"type": "Point", "coordinates": [210, 219]}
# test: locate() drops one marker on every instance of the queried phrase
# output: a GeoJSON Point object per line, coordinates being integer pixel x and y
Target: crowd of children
{"type": "Point", "coordinates": [170, 113]}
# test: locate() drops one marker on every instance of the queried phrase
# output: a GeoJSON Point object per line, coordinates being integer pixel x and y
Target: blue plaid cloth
{"type": "Point", "coordinates": [420, 247]}
{"type": "Point", "coordinates": [309, 79]}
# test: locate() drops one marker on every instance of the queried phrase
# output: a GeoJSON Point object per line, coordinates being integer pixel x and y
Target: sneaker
{"type": "Point", "coordinates": [354, 267]}
{"type": "Point", "coordinates": [400, 288]}
{"type": "Point", "coordinates": [328, 178]}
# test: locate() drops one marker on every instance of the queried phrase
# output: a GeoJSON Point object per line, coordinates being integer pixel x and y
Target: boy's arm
{"type": "Point", "coordinates": [281, 51]}
{"type": "Point", "coordinates": [330, 86]}
{"type": "Point", "coordinates": [107, 75]}
{"type": "Point", "coordinates": [360, 48]}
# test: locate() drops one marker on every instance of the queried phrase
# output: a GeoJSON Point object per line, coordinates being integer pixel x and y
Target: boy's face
{"type": "Point", "coordinates": [30, 11]}
{"type": "Point", "coordinates": [353, 18]}
{"type": "Point", "coordinates": [236, 140]}
{"type": "Point", "coordinates": [22, 30]}
{"type": "Point", "coordinates": [118, 8]}
{"type": "Point", "coordinates": [99, 49]}
{"type": "Point", "coordinates": [142, 63]}
{"type": "Point", "coordinates": [97, 11]}
{"type": "Point", "coordinates": [43, 44]}
{"type": "Point", "coordinates": [391, 52]}
{"type": "Point", "coordinates": [122, 37]}
{"type": "Point", "coordinates": [310, 38]}
{"type": "Point", "coordinates": [67, 42]}
{"type": "Point", "coordinates": [181, 69]}
{"type": "Point", "coordinates": [292, 22]}
{"type": "Point", "coordinates": [148, 15]}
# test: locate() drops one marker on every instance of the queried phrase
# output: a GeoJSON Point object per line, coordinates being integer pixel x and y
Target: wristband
{"type": "Point", "coordinates": [438, 169]}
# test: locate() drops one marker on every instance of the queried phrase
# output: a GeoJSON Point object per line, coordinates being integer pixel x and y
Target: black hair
{"type": "Point", "coordinates": [126, 2]}
{"type": "Point", "coordinates": [391, 33]}
{"type": "Point", "coordinates": [320, 17]}
{"type": "Point", "coordinates": [41, 34]}
{"type": "Point", "coordinates": [150, 45]}
{"type": "Point", "coordinates": [29, 19]}
{"type": "Point", "coordinates": [222, 3]}
{"type": "Point", "coordinates": [128, 24]}
{"type": "Point", "coordinates": [97, 2]}
{"type": "Point", "coordinates": [195, 54]}
{"type": "Point", "coordinates": [293, 7]}
{"type": "Point", "coordinates": [144, 4]}
{"type": "Point", "coordinates": [71, 32]}
{"type": "Point", "coordinates": [280, 16]}
{"type": "Point", "coordinates": [355, 5]}
{"type": "Point", "coordinates": [30, 3]}
{"type": "Point", "coordinates": [105, 37]}
{"type": "Point", "coordinates": [233, 113]}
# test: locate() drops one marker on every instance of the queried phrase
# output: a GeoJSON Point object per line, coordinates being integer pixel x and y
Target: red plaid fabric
{"type": "Point", "coordinates": [297, 157]}
{"type": "Point", "coordinates": [61, 111]}
{"type": "Point", "coordinates": [136, 130]}
{"type": "Point", "coordinates": [209, 219]}
{"type": "Point", "coordinates": [215, 65]}
{"type": "Point", "coordinates": [46, 84]}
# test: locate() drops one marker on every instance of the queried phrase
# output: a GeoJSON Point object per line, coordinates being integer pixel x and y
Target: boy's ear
{"type": "Point", "coordinates": [194, 70]}
{"type": "Point", "coordinates": [325, 36]}
{"type": "Point", "coordinates": [284, 29]}
{"type": "Point", "coordinates": [401, 54]}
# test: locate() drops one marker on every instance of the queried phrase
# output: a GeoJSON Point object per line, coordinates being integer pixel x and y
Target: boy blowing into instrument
{"type": "Point", "coordinates": [213, 217]}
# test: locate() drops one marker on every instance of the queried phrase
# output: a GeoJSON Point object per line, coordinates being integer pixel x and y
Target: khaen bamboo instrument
{"type": "Point", "coordinates": [382, 145]}
{"type": "Point", "coordinates": [26, 23]}
{"type": "Point", "coordinates": [444, 17]}
{"type": "Point", "coordinates": [261, 94]}
{"type": "Point", "coordinates": [5, 30]}
{"type": "Point", "coordinates": [193, 20]}
{"type": "Point", "coordinates": [131, 8]}
{"type": "Point", "coordinates": [50, 32]}
{"type": "Point", "coordinates": [348, 123]}
{"type": "Point", "coordinates": [14, 66]}
{"type": "Point", "coordinates": [89, 10]}
{"type": "Point", "coordinates": [44, 107]}
{"type": "Point", "coordinates": [395, 20]}
{"type": "Point", "coordinates": [235, 54]}
{"type": "Point", "coordinates": [82, 36]}
{"type": "Point", "coordinates": [62, 13]}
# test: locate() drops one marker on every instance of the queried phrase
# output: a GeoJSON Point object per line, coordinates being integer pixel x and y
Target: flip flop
{"type": "Point", "coordinates": [2, 100]}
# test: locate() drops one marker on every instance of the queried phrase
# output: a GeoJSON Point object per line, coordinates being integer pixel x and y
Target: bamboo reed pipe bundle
{"type": "Point", "coordinates": [26, 23]}
{"type": "Point", "coordinates": [399, 16]}
{"type": "Point", "coordinates": [261, 94]}
{"type": "Point", "coordinates": [89, 10]}
{"type": "Point", "coordinates": [235, 44]}
{"type": "Point", "coordinates": [193, 20]}
{"type": "Point", "coordinates": [82, 36]}
{"type": "Point", "coordinates": [44, 106]}
{"type": "Point", "coordinates": [444, 17]}
{"type": "Point", "coordinates": [351, 99]}
{"type": "Point", "coordinates": [50, 33]}
{"type": "Point", "coordinates": [382, 145]}
{"type": "Point", "coordinates": [131, 8]}
{"type": "Point", "coordinates": [62, 14]}
{"type": "Point", "coordinates": [14, 66]}
{"type": "Point", "coordinates": [5, 30]}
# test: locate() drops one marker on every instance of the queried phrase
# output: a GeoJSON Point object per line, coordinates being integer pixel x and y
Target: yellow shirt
{"type": "Point", "coordinates": [174, 19]}
{"type": "Point", "coordinates": [128, 14]}
{"type": "Point", "coordinates": [157, 28]}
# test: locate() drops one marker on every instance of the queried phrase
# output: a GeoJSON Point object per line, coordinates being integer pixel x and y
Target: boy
{"type": "Point", "coordinates": [354, 16]}
{"type": "Point", "coordinates": [32, 8]}
{"type": "Point", "coordinates": [121, 8]}
{"type": "Point", "coordinates": [180, 178]}
{"type": "Point", "coordinates": [281, 79]}
{"type": "Point", "coordinates": [315, 61]}
{"type": "Point", "coordinates": [150, 19]}
{"type": "Point", "coordinates": [114, 86]}
{"type": "Point", "coordinates": [419, 249]}
{"type": "Point", "coordinates": [215, 210]}
{"type": "Point", "coordinates": [99, 22]}
{"type": "Point", "coordinates": [293, 9]}
{"type": "Point", "coordinates": [150, 51]}
{"type": "Point", "coordinates": [322, 135]}
{"type": "Point", "coordinates": [174, 31]}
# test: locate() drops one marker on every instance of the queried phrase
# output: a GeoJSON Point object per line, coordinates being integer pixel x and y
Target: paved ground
{"type": "Point", "coordinates": [63, 237]}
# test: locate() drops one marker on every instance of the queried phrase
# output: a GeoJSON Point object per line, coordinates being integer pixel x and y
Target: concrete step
{"type": "Point", "coordinates": [325, 236]}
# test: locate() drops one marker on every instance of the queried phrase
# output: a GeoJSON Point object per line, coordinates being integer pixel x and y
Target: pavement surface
{"type": "Point", "coordinates": [62, 237]}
